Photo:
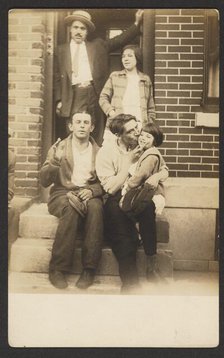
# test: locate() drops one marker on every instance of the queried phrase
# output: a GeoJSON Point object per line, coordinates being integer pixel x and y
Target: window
{"type": "Point", "coordinates": [210, 100]}
{"type": "Point", "coordinates": [115, 56]}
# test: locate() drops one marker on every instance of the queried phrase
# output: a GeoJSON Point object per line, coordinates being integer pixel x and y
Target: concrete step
{"type": "Point", "coordinates": [184, 283]}
{"type": "Point", "coordinates": [33, 255]}
{"type": "Point", "coordinates": [20, 282]}
{"type": "Point", "coordinates": [37, 283]}
{"type": "Point", "coordinates": [36, 222]}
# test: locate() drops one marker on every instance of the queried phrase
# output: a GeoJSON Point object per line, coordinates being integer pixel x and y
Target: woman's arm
{"type": "Point", "coordinates": [106, 96]}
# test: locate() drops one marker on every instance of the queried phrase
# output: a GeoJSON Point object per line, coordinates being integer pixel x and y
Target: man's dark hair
{"type": "Point", "coordinates": [118, 122]}
{"type": "Point", "coordinates": [138, 54]}
{"type": "Point", "coordinates": [156, 132]}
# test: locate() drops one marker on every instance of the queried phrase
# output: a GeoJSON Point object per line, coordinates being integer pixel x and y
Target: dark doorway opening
{"type": "Point", "coordinates": [108, 22]}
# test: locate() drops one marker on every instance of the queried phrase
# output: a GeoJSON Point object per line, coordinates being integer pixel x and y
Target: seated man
{"type": "Point", "coordinates": [112, 164]}
{"type": "Point", "coordinates": [75, 198]}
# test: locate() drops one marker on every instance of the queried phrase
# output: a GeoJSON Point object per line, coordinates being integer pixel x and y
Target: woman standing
{"type": "Point", "coordinates": [128, 91]}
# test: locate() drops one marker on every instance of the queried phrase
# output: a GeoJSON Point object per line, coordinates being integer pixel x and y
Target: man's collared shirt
{"type": "Point", "coordinates": [84, 72]}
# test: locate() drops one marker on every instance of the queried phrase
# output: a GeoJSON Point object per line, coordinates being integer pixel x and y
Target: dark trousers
{"type": "Point", "coordinates": [136, 200]}
{"type": "Point", "coordinates": [70, 222]}
{"type": "Point", "coordinates": [13, 227]}
{"type": "Point", "coordinates": [86, 99]}
{"type": "Point", "coordinates": [147, 228]}
{"type": "Point", "coordinates": [122, 235]}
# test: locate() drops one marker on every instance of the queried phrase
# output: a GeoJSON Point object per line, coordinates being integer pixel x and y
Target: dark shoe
{"type": "Point", "coordinates": [86, 279]}
{"type": "Point", "coordinates": [152, 270]}
{"type": "Point", "coordinates": [57, 278]}
{"type": "Point", "coordinates": [76, 203]}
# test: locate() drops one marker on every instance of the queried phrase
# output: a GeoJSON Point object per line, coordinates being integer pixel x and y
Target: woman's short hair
{"type": "Point", "coordinates": [156, 132]}
{"type": "Point", "coordinates": [138, 54]}
{"type": "Point", "coordinates": [117, 124]}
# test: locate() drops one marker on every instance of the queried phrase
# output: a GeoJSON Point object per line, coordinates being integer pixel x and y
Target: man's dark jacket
{"type": "Point", "coordinates": [98, 53]}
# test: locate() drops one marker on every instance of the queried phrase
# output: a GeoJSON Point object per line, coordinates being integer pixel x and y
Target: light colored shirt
{"type": "Point", "coordinates": [131, 99]}
{"type": "Point", "coordinates": [84, 72]}
{"type": "Point", "coordinates": [82, 165]}
{"type": "Point", "coordinates": [109, 161]}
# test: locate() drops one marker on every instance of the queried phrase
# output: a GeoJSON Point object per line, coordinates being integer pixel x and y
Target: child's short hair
{"type": "Point", "coordinates": [156, 132]}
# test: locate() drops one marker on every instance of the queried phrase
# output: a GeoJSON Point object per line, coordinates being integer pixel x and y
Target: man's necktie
{"type": "Point", "coordinates": [75, 62]}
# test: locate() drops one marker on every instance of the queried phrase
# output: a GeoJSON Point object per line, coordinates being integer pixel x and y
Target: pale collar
{"type": "Point", "coordinates": [73, 43]}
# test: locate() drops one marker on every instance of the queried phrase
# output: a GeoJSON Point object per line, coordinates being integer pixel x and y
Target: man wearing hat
{"type": "Point", "coordinates": [81, 68]}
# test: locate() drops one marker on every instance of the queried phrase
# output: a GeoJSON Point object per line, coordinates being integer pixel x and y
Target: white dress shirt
{"type": "Point", "coordinates": [84, 72]}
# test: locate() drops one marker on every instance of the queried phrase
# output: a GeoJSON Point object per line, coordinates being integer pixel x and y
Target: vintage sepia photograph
{"type": "Point", "coordinates": [113, 177]}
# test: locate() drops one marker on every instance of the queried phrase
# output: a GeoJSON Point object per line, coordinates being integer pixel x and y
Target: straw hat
{"type": "Point", "coordinates": [80, 15]}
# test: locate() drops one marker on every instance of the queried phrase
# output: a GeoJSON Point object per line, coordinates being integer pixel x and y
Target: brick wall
{"type": "Point", "coordinates": [189, 151]}
{"type": "Point", "coordinates": [26, 95]}
{"type": "Point", "coordinates": [179, 47]}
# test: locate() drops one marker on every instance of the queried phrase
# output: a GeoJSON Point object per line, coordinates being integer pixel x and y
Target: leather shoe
{"type": "Point", "coordinates": [86, 279]}
{"type": "Point", "coordinates": [152, 269]}
{"type": "Point", "coordinates": [57, 278]}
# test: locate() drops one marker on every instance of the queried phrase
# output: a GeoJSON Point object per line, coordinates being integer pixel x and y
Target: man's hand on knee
{"type": "Point", "coordinates": [85, 194]}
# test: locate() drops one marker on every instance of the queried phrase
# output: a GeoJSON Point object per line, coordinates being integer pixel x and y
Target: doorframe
{"type": "Point", "coordinates": [48, 121]}
{"type": "Point", "coordinates": [52, 21]}
{"type": "Point", "coordinates": [148, 43]}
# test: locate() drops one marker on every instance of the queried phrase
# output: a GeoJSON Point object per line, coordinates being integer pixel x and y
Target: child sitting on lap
{"type": "Point", "coordinates": [136, 191]}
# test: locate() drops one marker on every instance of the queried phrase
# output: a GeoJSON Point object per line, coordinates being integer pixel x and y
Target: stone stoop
{"type": "Point", "coordinates": [37, 283]}
{"type": "Point", "coordinates": [32, 250]}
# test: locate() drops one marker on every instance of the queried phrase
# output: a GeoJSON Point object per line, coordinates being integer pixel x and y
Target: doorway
{"type": "Point", "coordinates": [109, 23]}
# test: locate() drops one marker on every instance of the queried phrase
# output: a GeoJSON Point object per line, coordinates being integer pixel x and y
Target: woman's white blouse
{"type": "Point", "coordinates": [131, 99]}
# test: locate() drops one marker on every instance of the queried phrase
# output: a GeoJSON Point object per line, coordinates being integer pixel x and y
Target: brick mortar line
{"type": "Point", "coordinates": [180, 30]}
{"type": "Point", "coordinates": [187, 155]}
{"type": "Point", "coordinates": [180, 53]}
{"type": "Point", "coordinates": [176, 68]}
{"type": "Point", "coordinates": [179, 15]}
{"type": "Point", "coordinates": [177, 97]}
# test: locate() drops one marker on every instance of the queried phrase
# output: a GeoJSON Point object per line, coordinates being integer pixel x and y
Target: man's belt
{"type": "Point", "coordinates": [83, 84]}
